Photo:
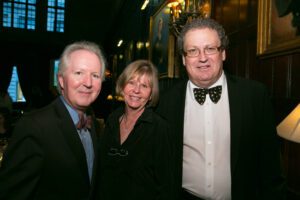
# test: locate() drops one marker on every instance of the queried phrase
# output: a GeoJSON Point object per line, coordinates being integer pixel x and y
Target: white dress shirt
{"type": "Point", "coordinates": [206, 145]}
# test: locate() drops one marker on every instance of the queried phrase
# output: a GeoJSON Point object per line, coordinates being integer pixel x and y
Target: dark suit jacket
{"type": "Point", "coordinates": [45, 158]}
{"type": "Point", "coordinates": [255, 164]}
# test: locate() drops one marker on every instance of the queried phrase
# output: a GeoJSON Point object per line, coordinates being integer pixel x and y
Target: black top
{"type": "Point", "coordinates": [139, 168]}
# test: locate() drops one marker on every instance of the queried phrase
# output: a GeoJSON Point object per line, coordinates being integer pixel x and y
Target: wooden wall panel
{"type": "Point", "coordinates": [264, 73]}
{"type": "Point", "coordinates": [230, 15]}
{"type": "Point", "coordinates": [291, 165]}
{"type": "Point", "coordinates": [232, 55]}
{"type": "Point", "coordinates": [252, 11]}
{"type": "Point", "coordinates": [295, 77]}
{"type": "Point", "coordinates": [280, 77]}
{"type": "Point", "coordinates": [280, 73]}
{"type": "Point", "coordinates": [252, 60]}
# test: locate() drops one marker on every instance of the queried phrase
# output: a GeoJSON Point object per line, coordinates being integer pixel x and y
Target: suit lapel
{"type": "Point", "coordinates": [177, 114]}
{"type": "Point", "coordinates": [236, 109]}
{"type": "Point", "coordinates": [70, 134]}
{"type": "Point", "coordinates": [95, 133]}
{"type": "Point", "coordinates": [180, 112]}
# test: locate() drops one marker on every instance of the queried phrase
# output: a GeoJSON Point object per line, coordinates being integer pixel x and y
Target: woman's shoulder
{"type": "Point", "coordinates": [156, 119]}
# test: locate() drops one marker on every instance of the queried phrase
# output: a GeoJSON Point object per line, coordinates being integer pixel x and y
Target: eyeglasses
{"type": "Point", "coordinates": [117, 152]}
{"type": "Point", "coordinates": [194, 52]}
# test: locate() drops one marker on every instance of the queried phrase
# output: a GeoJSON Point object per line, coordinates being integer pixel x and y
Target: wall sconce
{"type": "Point", "coordinates": [289, 128]}
{"type": "Point", "coordinates": [182, 11]}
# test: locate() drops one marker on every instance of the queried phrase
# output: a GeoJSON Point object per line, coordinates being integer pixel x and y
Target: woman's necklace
{"type": "Point", "coordinates": [125, 129]}
{"type": "Point", "coordinates": [127, 123]}
{"type": "Point", "coordinates": [124, 124]}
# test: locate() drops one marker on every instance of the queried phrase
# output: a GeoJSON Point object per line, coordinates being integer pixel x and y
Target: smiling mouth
{"type": "Point", "coordinates": [134, 98]}
{"type": "Point", "coordinates": [85, 93]}
{"type": "Point", "coordinates": [203, 67]}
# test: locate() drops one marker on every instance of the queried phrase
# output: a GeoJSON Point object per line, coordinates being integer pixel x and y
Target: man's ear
{"type": "Point", "coordinates": [60, 81]}
{"type": "Point", "coordinates": [223, 55]}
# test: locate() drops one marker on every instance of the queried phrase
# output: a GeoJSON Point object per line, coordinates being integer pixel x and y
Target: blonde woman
{"type": "Point", "coordinates": [135, 155]}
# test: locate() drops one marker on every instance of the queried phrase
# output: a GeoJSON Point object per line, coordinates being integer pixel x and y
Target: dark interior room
{"type": "Point", "coordinates": [33, 34]}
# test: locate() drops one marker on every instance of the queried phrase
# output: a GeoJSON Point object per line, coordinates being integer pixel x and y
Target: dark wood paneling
{"type": "Point", "coordinates": [291, 165]}
{"type": "Point", "coordinates": [280, 73]}
{"type": "Point", "coordinates": [230, 21]}
{"type": "Point", "coordinates": [280, 78]}
{"type": "Point", "coordinates": [295, 77]}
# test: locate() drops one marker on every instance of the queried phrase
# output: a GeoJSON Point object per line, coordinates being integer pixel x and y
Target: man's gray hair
{"type": "Point", "coordinates": [80, 45]}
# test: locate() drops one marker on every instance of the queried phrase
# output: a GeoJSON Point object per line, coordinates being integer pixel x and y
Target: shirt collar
{"type": "Point", "coordinates": [221, 81]}
{"type": "Point", "coordinates": [71, 110]}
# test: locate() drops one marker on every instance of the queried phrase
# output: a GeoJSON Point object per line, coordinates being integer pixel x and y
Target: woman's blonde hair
{"type": "Point", "coordinates": [139, 68]}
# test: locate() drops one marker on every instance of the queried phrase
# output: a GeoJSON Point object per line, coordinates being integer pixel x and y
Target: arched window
{"type": "Point", "coordinates": [14, 89]}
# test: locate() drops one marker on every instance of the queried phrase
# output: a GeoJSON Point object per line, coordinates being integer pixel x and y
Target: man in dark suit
{"type": "Point", "coordinates": [224, 137]}
{"type": "Point", "coordinates": [52, 153]}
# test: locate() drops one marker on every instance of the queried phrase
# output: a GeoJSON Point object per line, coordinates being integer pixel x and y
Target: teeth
{"type": "Point", "coordinates": [201, 67]}
{"type": "Point", "coordinates": [135, 98]}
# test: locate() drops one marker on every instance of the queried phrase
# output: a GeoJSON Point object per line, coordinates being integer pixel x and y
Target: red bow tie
{"type": "Point", "coordinates": [85, 122]}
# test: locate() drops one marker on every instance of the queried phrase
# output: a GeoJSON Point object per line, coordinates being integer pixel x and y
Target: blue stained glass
{"type": "Point", "coordinates": [20, 1]}
{"type": "Point", "coordinates": [7, 11]}
{"type": "Point", "coordinates": [22, 14]}
{"type": "Point", "coordinates": [32, 1]}
{"type": "Point", "coordinates": [61, 3]}
{"type": "Point", "coordinates": [14, 89]}
{"type": "Point", "coordinates": [19, 14]}
{"type": "Point", "coordinates": [31, 18]}
{"type": "Point", "coordinates": [51, 19]}
{"type": "Point", "coordinates": [56, 15]}
{"type": "Point", "coordinates": [51, 3]}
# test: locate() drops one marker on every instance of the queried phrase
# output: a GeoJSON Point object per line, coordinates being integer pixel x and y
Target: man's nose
{"type": "Point", "coordinates": [202, 56]}
{"type": "Point", "coordinates": [87, 80]}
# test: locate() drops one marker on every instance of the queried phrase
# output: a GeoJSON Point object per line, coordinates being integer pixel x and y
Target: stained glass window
{"type": "Point", "coordinates": [56, 16]}
{"type": "Point", "coordinates": [19, 14]}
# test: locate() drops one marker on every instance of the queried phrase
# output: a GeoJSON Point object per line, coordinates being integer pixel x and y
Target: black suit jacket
{"type": "Point", "coordinates": [255, 156]}
{"type": "Point", "coordinates": [45, 158]}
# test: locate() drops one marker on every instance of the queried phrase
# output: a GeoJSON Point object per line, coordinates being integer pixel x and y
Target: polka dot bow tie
{"type": "Point", "coordinates": [214, 94]}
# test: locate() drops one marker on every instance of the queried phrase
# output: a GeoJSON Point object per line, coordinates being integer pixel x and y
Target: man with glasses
{"type": "Point", "coordinates": [224, 136]}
